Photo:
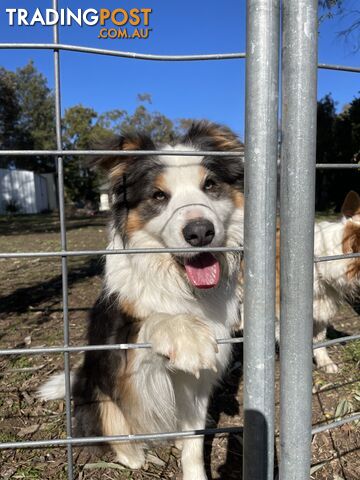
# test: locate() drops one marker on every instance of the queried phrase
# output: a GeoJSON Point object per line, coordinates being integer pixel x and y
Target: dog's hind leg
{"type": "Point", "coordinates": [113, 422]}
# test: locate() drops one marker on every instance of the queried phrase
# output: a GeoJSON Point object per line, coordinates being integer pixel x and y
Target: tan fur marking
{"type": "Point", "coordinates": [112, 419]}
{"type": "Point", "coordinates": [237, 198]}
{"type": "Point", "coordinates": [117, 171]}
{"type": "Point", "coordinates": [134, 222]}
{"type": "Point", "coordinates": [351, 205]}
{"type": "Point", "coordinates": [113, 422]}
{"type": "Point", "coordinates": [126, 393]}
{"type": "Point", "coordinates": [161, 184]}
{"type": "Point", "coordinates": [225, 139]}
{"type": "Point", "coordinates": [227, 143]}
{"type": "Point", "coordinates": [116, 166]}
{"type": "Point", "coordinates": [277, 305]}
{"type": "Point", "coordinates": [351, 244]}
{"type": "Point", "coordinates": [128, 308]}
{"type": "Point", "coordinates": [131, 144]}
{"type": "Point", "coordinates": [202, 174]}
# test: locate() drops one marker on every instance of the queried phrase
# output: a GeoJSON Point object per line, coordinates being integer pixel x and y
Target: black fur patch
{"type": "Point", "coordinates": [127, 141]}
{"type": "Point", "coordinates": [229, 170]}
{"type": "Point", "coordinates": [134, 187]}
{"type": "Point", "coordinates": [102, 369]}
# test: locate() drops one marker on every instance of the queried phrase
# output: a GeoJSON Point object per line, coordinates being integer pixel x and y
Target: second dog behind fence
{"type": "Point", "coordinates": [335, 282]}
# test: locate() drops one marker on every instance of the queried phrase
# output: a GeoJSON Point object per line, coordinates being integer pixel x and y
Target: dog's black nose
{"type": "Point", "coordinates": [199, 232]}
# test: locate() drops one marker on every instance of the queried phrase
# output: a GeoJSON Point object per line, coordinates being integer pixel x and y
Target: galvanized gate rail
{"type": "Point", "coordinates": [299, 64]}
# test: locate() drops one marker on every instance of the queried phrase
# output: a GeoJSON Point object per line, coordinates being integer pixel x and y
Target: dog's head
{"type": "Point", "coordinates": [180, 201]}
{"type": "Point", "coordinates": [351, 236]}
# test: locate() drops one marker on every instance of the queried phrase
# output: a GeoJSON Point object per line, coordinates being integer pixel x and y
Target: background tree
{"type": "Point", "coordinates": [155, 124]}
{"type": "Point", "coordinates": [84, 129]}
{"type": "Point", "coordinates": [9, 114]}
{"type": "Point", "coordinates": [27, 122]}
{"type": "Point", "coordinates": [37, 115]}
{"type": "Point", "coordinates": [338, 141]}
{"type": "Point", "coordinates": [27, 117]}
{"type": "Point", "coordinates": [326, 116]}
{"type": "Point", "coordinates": [78, 129]}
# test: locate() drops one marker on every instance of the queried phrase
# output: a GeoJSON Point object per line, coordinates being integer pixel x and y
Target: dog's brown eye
{"type": "Point", "coordinates": [159, 195]}
{"type": "Point", "coordinates": [209, 184]}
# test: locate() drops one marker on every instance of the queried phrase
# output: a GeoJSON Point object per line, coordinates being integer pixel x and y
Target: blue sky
{"type": "Point", "coordinates": [213, 90]}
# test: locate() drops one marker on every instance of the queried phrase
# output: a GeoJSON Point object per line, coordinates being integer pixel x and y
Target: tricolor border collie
{"type": "Point", "coordinates": [178, 303]}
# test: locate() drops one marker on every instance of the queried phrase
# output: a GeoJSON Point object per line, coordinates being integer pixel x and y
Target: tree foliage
{"type": "Point", "coordinates": [85, 129]}
{"type": "Point", "coordinates": [9, 112]}
{"type": "Point", "coordinates": [27, 122]}
{"type": "Point", "coordinates": [338, 141]}
{"type": "Point", "coordinates": [26, 116]}
{"type": "Point", "coordinates": [349, 16]}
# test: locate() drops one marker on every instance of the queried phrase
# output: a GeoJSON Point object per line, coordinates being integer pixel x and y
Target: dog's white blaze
{"type": "Point", "coordinates": [182, 177]}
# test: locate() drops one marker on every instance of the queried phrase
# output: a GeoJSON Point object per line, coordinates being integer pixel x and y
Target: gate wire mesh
{"type": "Point", "coordinates": [66, 348]}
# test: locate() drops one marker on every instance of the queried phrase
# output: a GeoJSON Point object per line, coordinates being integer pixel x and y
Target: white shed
{"type": "Point", "coordinates": [104, 197]}
{"type": "Point", "coordinates": [27, 191]}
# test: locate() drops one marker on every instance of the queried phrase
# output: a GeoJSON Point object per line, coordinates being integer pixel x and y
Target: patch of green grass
{"type": "Point", "coordinates": [28, 473]}
{"type": "Point", "coordinates": [7, 437]}
{"type": "Point", "coordinates": [352, 351]}
{"type": "Point", "coordinates": [20, 362]}
{"type": "Point", "coordinates": [328, 216]}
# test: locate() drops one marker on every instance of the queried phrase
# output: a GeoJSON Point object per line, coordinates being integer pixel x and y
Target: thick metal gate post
{"type": "Point", "coordinates": [299, 61]}
{"type": "Point", "coordinates": [261, 151]}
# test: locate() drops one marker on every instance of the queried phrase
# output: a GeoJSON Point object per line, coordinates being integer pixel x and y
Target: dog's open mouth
{"type": "Point", "coordinates": [203, 270]}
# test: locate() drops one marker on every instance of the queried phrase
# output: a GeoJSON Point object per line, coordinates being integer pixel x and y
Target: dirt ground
{"type": "Point", "coordinates": [31, 316]}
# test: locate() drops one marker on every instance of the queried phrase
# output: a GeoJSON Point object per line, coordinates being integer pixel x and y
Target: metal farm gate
{"type": "Point", "coordinates": [298, 41]}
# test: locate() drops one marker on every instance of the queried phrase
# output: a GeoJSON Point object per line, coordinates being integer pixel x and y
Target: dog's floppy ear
{"type": "Point", "coordinates": [211, 136]}
{"type": "Point", "coordinates": [129, 141]}
{"type": "Point", "coordinates": [351, 205]}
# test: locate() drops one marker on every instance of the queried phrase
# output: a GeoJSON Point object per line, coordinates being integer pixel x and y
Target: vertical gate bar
{"type": "Point", "coordinates": [299, 60]}
{"type": "Point", "coordinates": [64, 262]}
{"type": "Point", "coordinates": [261, 153]}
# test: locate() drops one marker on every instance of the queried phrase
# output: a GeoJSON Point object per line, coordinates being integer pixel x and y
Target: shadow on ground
{"type": "Point", "coordinates": [47, 223]}
{"type": "Point", "coordinates": [21, 299]}
{"type": "Point", "coordinates": [225, 401]}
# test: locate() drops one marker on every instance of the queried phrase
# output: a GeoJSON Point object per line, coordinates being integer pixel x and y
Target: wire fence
{"type": "Point", "coordinates": [299, 77]}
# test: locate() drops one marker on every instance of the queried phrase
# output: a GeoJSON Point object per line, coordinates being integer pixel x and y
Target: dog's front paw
{"type": "Point", "coordinates": [188, 343]}
{"type": "Point", "coordinates": [330, 368]}
{"type": "Point", "coordinates": [324, 362]}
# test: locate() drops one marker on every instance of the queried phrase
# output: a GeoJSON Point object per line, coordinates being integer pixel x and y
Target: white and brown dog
{"type": "Point", "coordinates": [336, 281]}
{"type": "Point", "coordinates": [178, 303]}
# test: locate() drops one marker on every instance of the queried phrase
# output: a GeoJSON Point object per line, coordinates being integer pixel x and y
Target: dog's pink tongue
{"type": "Point", "coordinates": [203, 271]}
